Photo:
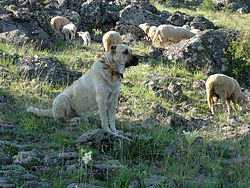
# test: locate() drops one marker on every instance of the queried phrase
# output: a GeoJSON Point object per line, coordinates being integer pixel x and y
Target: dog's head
{"type": "Point", "coordinates": [122, 57]}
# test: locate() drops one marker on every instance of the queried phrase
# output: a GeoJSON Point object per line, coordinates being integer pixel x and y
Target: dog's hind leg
{"type": "Point", "coordinates": [61, 107]}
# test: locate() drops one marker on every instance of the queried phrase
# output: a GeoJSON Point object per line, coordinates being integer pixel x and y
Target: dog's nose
{"type": "Point", "coordinates": [132, 62]}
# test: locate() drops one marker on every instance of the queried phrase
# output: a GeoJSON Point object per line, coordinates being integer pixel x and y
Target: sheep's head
{"type": "Point", "coordinates": [243, 102]}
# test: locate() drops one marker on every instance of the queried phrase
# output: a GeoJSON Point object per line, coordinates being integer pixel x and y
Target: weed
{"type": "Point", "coordinates": [208, 5]}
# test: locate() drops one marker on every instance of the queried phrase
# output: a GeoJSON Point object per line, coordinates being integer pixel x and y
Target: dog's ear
{"type": "Point", "coordinates": [113, 49]}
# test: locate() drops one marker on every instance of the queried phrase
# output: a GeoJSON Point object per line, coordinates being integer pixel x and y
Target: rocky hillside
{"type": "Point", "coordinates": [169, 137]}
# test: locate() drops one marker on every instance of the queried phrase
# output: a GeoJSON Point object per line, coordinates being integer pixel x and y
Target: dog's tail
{"type": "Point", "coordinates": [40, 112]}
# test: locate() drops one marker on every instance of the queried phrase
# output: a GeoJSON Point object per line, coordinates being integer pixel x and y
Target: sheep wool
{"type": "Point", "coordinates": [151, 32]}
{"type": "Point", "coordinates": [58, 22]}
{"type": "Point", "coordinates": [227, 89]}
{"type": "Point", "coordinates": [170, 33]}
{"type": "Point", "coordinates": [69, 29]}
{"type": "Point", "coordinates": [111, 38]}
{"type": "Point", "coordinates": [85, 37]}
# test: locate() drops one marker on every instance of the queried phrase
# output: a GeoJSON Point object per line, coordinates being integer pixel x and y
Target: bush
{"type": "Point", "coordinates": [239, 51]}
{"type": "Point", "coordinates": [208, 5]}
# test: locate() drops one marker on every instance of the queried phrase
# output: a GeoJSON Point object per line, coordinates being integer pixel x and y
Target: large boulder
{"type": "Point", "coordinates": [205, 51]}
{"type": "Point", "coordinates": [180, 19]}
{"type": "Point", "coordinates": [140, 15]}
{"type": "Point", "coordinates": [90, 13]}
{"type": "Point", "coordinates": [201, 23]}
{"type": "Point", "coordinates": [102, 139]}
{"type": "Point", "coordinates": [242, 6]}
{"type": "Point", "coordinates": [22, 27]}
{"type": "Point", "coordinates": [46, 68]}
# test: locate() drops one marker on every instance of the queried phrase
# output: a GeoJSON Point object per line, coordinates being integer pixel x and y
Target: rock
{"type": "Point", "coordinates": [189, 4]}
{"type": "Point", "coordinates": [126, 2]}
{"type": "Point", "coordinates": [199, 84]}
{"type": "Point", "coordinates": [35, 184]}
{"type": "Point", "coordinates": [27, 158]}
{"type": "Point", "coordinates": [68, 156]}
{"type": "Point", "coordinates": [46, 68]}
{"type": "Point", "coordinates": [176, 121]}
{"type": "Point", "coordinates": [101, 139]}
{"type": "Point", "coordinates": [134, 30]}
{"type": "Point", "coordinates": [158, 109]}
{"type": "Point", "coordinates": [52, 161]}
{"type": "Point", "coordinates": [177, 91]}
{"type": "Point", "coordinates": [204, 51]}
{"type": "Point", "coordinates": [82, 185]}
{"type": "Point", "coordinates": [25, 27]}
{"type": "Point", "coordinates": [129, 39]}
{"type": "Point", "coordinates": [11, 175]}
{"type": "Point", "coordinates": [90, 13]}
{"type": "Point", "coordinates": [201, 23]}
{"type": "Point", "coordinates": [234, 4]}
{"type": "Point", "coordinates": [6, 126]}
{"type": "Point", "coordinates": [5, 184]}
{"type": "Point", "coordinates": [153, 181]}
{"type": "Point", "coordinates": [139, 15]}
{"type": "Point", "coordinates": [5, 159]}
{"type": "Point", "coordinates": [30, 177]}
{"type": "Point", "coordinates": [180, 19]}
{"type": "Point", "coordinates": [103, 169]}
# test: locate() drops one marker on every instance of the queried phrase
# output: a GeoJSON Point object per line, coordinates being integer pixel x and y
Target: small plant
{"type": "Point", "coordinates": [208, 5]}
{"type": "Point", "coordinates": [239, 51]}
{"type": "Point", "coordinates": [190, 136]}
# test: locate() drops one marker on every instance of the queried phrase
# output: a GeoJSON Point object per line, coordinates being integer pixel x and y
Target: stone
{"type": "Point", "coordinates": [153, 181]}
{"type": "Point", "coordinates": [33, 184]}
{"type": "Point", "coordinates": [5, 159]}
{"type": "Point", "coordinates": [139, 15]}
{"type": "Point", "coordinates": [90, 13]}
{"type": "Point", "coordinates": [46, 68]}
{"type": "Point", "coordinates": [102, 139]}
{"type": "Point", "coordinates": [205, 51]}
{"type": "Point", "coordinates": [82, 185]}
{"type": "Point", "coordinates": [180, 19]}
{"type": "Point", "coordinates": [201, 23]}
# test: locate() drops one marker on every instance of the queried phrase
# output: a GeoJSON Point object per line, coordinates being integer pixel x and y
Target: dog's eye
{"type": "Point", "coordinates": [126, 51]}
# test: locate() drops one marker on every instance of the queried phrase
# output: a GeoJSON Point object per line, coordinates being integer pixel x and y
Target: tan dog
{"type": "Point", "coordinates": [98, 88]}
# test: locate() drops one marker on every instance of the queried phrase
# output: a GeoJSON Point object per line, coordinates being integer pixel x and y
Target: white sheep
{"type": "Point", "coordinates": [85, 37]}
{"type": "Point", "coordinates": [170, 33]}
{"type": "Point", "coordinates": [186, 27]}
{"type": "Point", "coordinates": [69, 29]}
{"type": "Point", "coordinates": [145, 27]}
{"type": "Point", "coordinates": [151, 32]}
{"type": "Point", "coordinates": [58, 22]}
{"type": "Point", "coordinates": [110, 38]}
{"type": "Point", "coordinates": [227, 89]}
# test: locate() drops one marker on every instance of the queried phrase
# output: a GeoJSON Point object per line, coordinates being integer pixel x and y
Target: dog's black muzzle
{"type": "Point", "coordinates": [132, 62]}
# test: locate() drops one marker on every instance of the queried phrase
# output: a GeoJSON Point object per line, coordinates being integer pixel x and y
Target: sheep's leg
{"type": "Point", "coordinates": [228, 107]}
{"type": "Point", "coordinates": [235, 108]}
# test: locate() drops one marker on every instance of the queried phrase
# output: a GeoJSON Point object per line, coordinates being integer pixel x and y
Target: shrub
{"type": "Point", "coordinates": [239, 51]}
{"type": "Point", "coordinates": [208, 5]}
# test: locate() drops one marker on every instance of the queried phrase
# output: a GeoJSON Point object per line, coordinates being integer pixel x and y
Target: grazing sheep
{"type": "Point", "coordinates": [227, 89]}
{"type": "Point", "coordinates": [58, 22]}
{"type": "Point", "coordinates": [85, 37]}
{"type": "Point", "coordinates": [110, 38]}
{"type": "Point", "coordinates": [145, 27]}
{"type": "Point", "coordinates": [69, 29]}
{"type": "Point", "coordinates": [170, 33]}
{"type": "Point", "coordinates": [151, 32]}
{"type": "Point", "coordinates": [186, 27]}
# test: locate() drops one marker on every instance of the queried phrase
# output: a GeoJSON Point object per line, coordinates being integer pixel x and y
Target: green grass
{"type": "Point", "coordinates": [227, 18]}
